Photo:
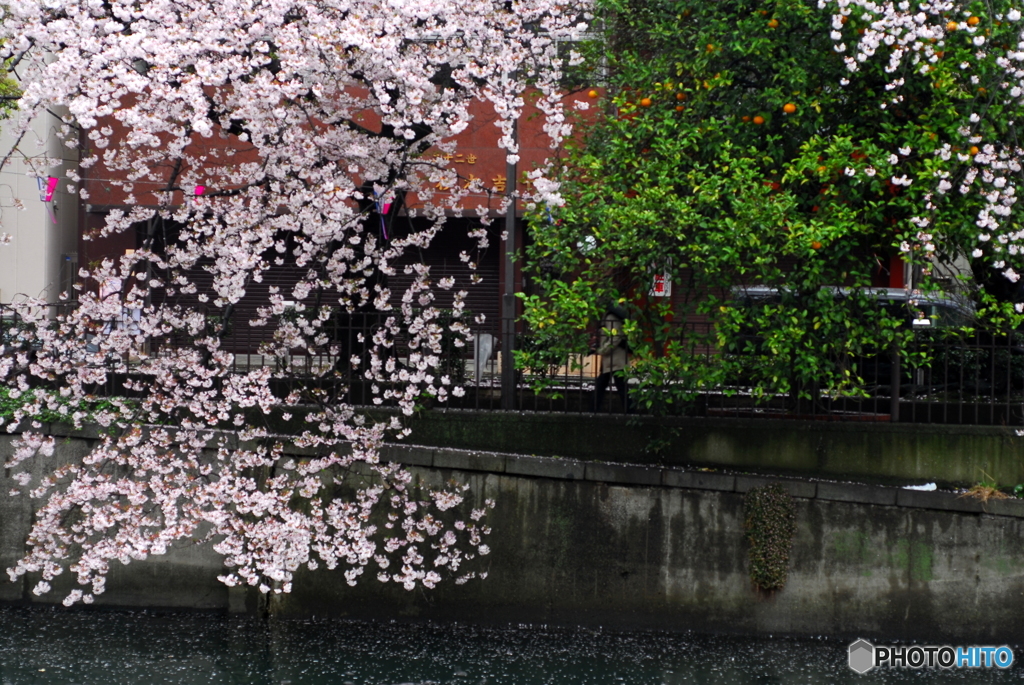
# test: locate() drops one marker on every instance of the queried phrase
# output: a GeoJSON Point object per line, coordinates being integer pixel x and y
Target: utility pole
{"type": "Point", "coordinates": [508, 298]}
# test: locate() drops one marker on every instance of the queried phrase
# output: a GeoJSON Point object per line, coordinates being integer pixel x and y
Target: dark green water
{"type": "Point", "coordinates": [91, 647]}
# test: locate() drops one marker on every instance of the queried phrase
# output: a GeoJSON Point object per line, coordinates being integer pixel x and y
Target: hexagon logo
{"type": "Point", "coordinates": [862, 656]}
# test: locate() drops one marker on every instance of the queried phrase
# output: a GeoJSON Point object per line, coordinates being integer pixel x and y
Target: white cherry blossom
{"type": "Point", "coordinates": [299, 120]}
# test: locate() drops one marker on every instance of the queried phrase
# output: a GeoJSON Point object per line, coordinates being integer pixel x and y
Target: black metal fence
{"type": "Point", "coordinates": [954, 376]}
{"type": "Point", "coordinates": [969, 377]}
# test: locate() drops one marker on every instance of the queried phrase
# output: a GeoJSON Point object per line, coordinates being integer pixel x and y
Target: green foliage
{"type": "Point", "coordinates": [770, 523]}
{"type": "Point", "coordinates": [988, 481]}
{"type": "Point", "coordinates": [986, 489]}
{"type": "Point", "coordinates": [9, 91]}
{"type": "Point", "coordinates": [675, 176]}
{"type": "Point", "coordinates": [543, 356]}
{"type": "Point", "coordinates": [50, 407]}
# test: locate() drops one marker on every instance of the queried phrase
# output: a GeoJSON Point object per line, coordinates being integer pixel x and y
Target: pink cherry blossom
{"type": "Point", "coordinates": [296, 119]}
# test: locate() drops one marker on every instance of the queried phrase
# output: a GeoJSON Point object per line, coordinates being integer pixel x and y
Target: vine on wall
{"type": "Point", "coordinates": [770, 522]}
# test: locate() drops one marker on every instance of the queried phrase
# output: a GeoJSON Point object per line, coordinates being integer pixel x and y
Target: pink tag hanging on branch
{"type": "Point", "coordinates": [199, 190]}
{"type": "Point", "coordinates": [382, 209]}
{"type": "Point", "coordinates": [51, 186]}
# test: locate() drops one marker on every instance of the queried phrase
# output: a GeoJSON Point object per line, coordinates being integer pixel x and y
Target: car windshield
{"type": "Point", "coordinates": [933, 309]}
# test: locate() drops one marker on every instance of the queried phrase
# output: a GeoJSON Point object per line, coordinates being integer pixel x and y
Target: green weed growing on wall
{"type": "Point", "coordinates": [770, 523]}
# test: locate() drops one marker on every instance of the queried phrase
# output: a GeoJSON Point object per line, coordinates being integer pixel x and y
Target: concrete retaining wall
{"type": "Point", "coordinates": [626, 546]}
{"type": "Point", "coordinates": [875, 452]}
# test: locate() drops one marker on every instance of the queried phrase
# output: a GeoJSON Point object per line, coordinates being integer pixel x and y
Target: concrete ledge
{"type": "Point", "coordinates": [623, 475]}
{"type": "Point", "coordinates": [945, 501]}
{"type": "Point", "coordinates": [410, 455]}
{"type": "Point", "coordinates": [698, 480]}
{"type": "Point", "coordinates": [875, 452]}
{"type": "Point", "coordinates": [542, 467]}
{"type": "Point", "coordinates": [89, 431]}
{"type": "Point", "coordinates": [862, 494]}
{"type": "Point", "coordinates": [796, 488]}
{"type": "Point", "coordinates": [469, 461]}
{"type": "Point", "coordinates": [645, 476]}
{"type": "Point", "coordinates": [1005, 507]}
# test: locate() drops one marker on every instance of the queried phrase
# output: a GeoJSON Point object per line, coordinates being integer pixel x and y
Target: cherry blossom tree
{"type": "Point", "coordinates": [270, 133]}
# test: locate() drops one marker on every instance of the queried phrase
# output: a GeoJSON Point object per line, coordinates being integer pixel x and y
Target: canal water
{"type": "Point", "coordinates": [44, 646]}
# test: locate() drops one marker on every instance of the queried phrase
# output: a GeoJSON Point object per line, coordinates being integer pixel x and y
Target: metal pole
{"type": "Point", "coordinates": [894, 384]}
{"type": "Point", "coordinates": [508, 298]}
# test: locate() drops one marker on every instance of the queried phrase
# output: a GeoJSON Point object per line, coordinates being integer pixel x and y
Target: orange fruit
{"type": "Point", "coordinates": [952, 26]}
{"type": "Point", "coordinates": [773, 24]}
{"type": "Point", "coordinates": [822, 170]}
{"type": "Point", "coordinates": [746, 118]}
{"type": "Point", "coordinates": [645, 102]}
{"type": "Point", "coordinates": [711, 47]}
{"type": "Point", "coordinates": [974, 150]}
{"type": "Point", "coordinates": [789, 108]}
{"type": "Point", "coordinates": [680, 96]}
{"type": "Point", "coordinates": [815, 245]}
{"type": "Point", "coordinates": [844, 20]}
{"type": "Point", "coordinates": [679, 108]}
{"type": "Point", "coordinates": [758, 120]}
{"type": "Point", "coordinates": [592, 93]}
{"type": "Point", "coordinates": [973, 21]}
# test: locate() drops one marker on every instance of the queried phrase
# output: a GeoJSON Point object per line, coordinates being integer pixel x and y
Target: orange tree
{"type": "Point", "coordinates": [793, 145]}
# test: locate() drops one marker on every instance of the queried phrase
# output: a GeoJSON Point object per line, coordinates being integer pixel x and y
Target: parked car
{"type": "Point", "coordinates": [921, 310]}
{"type": "Point", "coordinates": [932, 313]}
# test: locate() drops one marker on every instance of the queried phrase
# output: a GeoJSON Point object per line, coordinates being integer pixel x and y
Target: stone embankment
{"type": "Point", "coordinates": [663, 547]}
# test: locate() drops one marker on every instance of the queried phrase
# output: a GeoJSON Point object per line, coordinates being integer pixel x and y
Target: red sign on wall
{"type": "Point", "coordinates": [662, 286]}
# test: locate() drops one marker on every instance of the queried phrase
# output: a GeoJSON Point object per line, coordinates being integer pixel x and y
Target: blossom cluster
{"type": "Point", "coordinates": [976, 56]}
{"type": "Point", "coordinates": [270, 134]}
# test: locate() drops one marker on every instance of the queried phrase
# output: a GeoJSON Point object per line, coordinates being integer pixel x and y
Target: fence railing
{"type": "Point", "coordinates": [973, 377]}
{"type": "Point", "coordinates": [952, 376]}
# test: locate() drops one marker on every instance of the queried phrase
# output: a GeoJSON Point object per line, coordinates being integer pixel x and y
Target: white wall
{"type": "Point", "coordinates": [30, 265]}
